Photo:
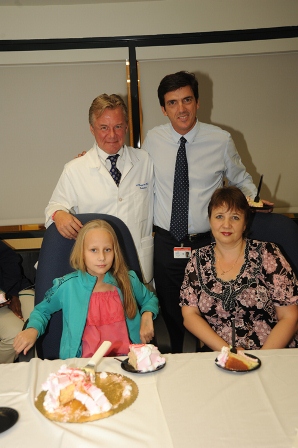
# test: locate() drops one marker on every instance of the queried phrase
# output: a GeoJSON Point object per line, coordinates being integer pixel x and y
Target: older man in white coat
{"type": "Point", "coordinates": [111, 178]}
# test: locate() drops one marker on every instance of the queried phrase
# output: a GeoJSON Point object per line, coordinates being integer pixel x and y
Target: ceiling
{"type": "Point", "coordinates": [63, 2]}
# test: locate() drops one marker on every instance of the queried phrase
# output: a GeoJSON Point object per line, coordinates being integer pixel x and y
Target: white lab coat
{"type": "Point", "coordinates": [86, 186]}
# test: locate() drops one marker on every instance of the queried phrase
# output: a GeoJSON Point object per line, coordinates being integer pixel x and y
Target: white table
{"type": "Point", "coordinates": [190, 403]}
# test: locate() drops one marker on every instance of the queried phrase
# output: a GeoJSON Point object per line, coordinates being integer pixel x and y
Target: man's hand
{"type": "Point", "coordinates": [15, 307]}
{"type": "Point", "coordinates": [67, 224]}
{"type": "Point", "coordinates": [268, 210]}
{"type": "Point", "coordinates": [81, 154]}
{"type": "Point", "coordinates": [146, 330]}
{"type": "Point", "coordinates": [25, 340]}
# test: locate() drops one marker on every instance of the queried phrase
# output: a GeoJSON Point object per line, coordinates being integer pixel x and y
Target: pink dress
{"type": "Point", "coordinates": [105, 322]}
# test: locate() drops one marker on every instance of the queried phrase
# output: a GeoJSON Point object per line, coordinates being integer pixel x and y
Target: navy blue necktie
{"type": "Point", "coordinates": [115, 173]}
{"type": "Point", "coordinates": [179, 217]}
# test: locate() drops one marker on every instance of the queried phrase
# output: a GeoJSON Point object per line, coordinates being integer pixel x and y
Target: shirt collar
{"type": "Point", "coordinates": [90, 280]}
{"type": "Point", "coordinates": [104, 155]}
{"type": "Point", "coordinates": [190, 136]}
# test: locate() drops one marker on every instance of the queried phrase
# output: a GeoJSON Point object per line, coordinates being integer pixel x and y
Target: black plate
{"type": "Point", "coordinates": [129, 368]}
{"type": "Point", "coordinates": [8, 418]}
{"type": "Point", "coordinates": [242, 371]}
{"type": "Point", "coordinates": [265, 207]}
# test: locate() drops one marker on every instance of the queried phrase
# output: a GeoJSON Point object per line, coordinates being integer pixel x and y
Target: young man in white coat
{"type": "Point", "coordinates": [111, 178]}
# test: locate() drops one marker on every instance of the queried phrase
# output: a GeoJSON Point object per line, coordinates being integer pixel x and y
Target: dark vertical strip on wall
{"type": "Point", "coordinates": [134, 96]}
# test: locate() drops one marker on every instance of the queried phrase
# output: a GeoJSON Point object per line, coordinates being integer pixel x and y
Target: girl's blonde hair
{"type": "Point", "coordinates": [119, 267]}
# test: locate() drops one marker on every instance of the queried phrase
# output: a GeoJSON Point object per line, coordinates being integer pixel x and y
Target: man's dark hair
{"type": "Point", "coordinates": [175, 81]}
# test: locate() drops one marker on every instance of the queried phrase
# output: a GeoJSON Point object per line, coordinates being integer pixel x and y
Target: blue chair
{"type": "Point", "coordinates": [54, 262]}
{"type": "Point", "coordinates": [277, 229]}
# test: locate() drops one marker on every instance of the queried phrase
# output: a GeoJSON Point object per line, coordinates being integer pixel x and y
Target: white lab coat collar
{"type": "Point", "coordinates": [130, 158]}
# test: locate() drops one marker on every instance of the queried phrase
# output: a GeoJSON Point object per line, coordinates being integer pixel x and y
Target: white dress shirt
{"type": "Point", "coordinates": [104, 157]}
{"type": "Point", "coordinates": [212, 157]}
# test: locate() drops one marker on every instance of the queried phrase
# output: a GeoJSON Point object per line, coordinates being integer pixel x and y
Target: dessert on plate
{"type": "Point", "coordinates": [252, 203]}
{"type": "Point", "coordinates": [70, 395]}
{"type": "Point", "coordinates": [236, 361]}
{"type": "Point", "coordinates": [145, 357]}
{"type": "Point", "coordinates": [69, 384]}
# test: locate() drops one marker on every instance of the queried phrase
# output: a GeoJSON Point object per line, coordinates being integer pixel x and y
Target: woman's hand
{"type": "Point", "coordinates": [147, 329]}
{"type": "Point", "coordinates": [193, 321]}
{"type": "Point", "coordinates": [25, 340]}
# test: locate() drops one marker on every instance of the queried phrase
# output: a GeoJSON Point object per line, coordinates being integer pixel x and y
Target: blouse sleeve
{"type": "Point", "coordinates": [279, 276]}
{"type": "Point", "coordinates": [42, 312]}
{"type": "Point", "coordinates": [190, 288]}
{"type": "Point", "coordinates": [146, 300]}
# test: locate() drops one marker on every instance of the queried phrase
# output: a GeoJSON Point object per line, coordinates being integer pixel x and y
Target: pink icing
{"type": "Point", "coordinates": [224, 354]}
{"type": "Point", "coordinates": [94, 399]}
{"type": "Point", "coordinates": [148, 357]}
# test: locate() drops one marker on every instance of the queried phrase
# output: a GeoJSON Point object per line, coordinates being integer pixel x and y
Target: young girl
{"type": "Point", "coordinates": [101, 300]}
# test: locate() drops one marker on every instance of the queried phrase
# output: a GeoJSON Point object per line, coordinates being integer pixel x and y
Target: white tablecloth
{"type": "Point", "coordinates": [189, 403]}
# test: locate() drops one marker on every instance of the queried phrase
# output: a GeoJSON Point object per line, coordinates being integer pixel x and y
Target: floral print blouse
{"type": "Point", "coordinates": [264, 282]}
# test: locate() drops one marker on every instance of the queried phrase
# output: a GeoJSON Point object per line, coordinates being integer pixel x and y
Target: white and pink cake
{"type": "Point", "coordinates": [236, 361]}
{"type": "Point", "coordinates": [69, 384]}
{"type": "Point", "coordinates": [145, 357]}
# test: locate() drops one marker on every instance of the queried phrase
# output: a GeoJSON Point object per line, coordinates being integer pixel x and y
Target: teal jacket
{"type": "Point", "coordinates": [71, 294]}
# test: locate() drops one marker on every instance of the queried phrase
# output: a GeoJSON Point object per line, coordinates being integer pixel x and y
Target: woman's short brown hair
{"type": "Point", "coordinates": [232, 198]}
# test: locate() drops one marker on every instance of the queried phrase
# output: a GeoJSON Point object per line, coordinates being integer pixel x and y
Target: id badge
{"type": "Point", "coordinates": [182, 252]}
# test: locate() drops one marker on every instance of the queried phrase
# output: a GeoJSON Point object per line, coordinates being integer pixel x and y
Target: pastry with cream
{"type": "Point", "coordinates": [73, 395]}
{"type": "Point", "coordinates": [145, 357]}
{"type": "Point", "coordinates": [236, 361]}
{"type": "Point", "coordinates": [69, 384]}
{"type": "Point", "coordinates": [252, 203]}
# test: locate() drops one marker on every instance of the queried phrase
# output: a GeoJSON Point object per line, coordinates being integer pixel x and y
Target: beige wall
{"type": "Point", "coordinates": [255, 98]}
{"type": "Point", "coordinates": [124, 18]}
{"type": "Point", "coordinates": [43, 125]}
{"type": "Point", "coordinates": [249, 88]}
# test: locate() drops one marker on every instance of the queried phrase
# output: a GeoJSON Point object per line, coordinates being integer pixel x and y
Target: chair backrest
{"type": "Point", "coordinates": [53, 262]}
{"type": "Point", "coordinates": [277, 229]}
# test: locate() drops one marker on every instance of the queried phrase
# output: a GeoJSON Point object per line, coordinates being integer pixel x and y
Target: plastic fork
{"type": "Point", "coordinates": [100, 352]}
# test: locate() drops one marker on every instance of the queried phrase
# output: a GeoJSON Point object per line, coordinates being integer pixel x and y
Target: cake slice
{"type": "Point", "coordinates": [236, 361]}
{"type": "Point", "coordinates": [69, 384]}
{"type": "Point", "coordinates": [145, 357]}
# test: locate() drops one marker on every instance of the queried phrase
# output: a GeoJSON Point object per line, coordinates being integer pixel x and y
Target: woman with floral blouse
{"type": "Point", "coordinates": [242, 279]}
